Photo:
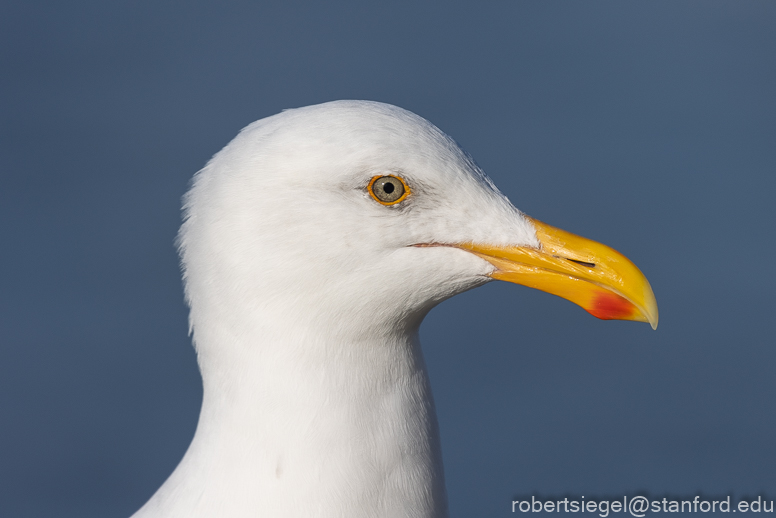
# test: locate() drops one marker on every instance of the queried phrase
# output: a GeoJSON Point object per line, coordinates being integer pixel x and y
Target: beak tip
{"type": "Point", "coordinates": [653, 316]}
{"type": "Point", "coordinates": [653, 320]}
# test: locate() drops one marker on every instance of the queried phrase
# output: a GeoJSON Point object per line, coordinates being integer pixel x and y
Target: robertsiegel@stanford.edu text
{"type": "Point", "coordinates": [639, 506]}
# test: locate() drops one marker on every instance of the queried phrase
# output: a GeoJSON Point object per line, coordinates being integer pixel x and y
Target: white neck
{"type": "Point", "coordinates": [310, 426]}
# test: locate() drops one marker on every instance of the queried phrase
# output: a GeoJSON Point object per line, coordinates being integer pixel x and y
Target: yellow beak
{"type": "Point", "coordinates": [598, 278]}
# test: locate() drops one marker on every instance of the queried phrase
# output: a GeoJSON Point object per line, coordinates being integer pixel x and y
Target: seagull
{"type": "Point", "coordinates": [312, 247]}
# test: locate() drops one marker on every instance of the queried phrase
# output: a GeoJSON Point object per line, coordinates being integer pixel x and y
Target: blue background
{"type": "Point", "coordinates": [649, 126]}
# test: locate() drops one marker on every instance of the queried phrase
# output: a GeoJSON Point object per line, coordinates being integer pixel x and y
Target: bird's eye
{"type": "Point", "coordinates": [388, 190]}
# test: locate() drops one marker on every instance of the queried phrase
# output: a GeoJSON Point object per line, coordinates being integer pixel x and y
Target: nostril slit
{"type": "Point", "coordinates": [583, 263]}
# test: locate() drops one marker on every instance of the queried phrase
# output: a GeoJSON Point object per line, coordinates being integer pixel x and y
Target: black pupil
{"type": "Point", "coordinates": [388, 187]}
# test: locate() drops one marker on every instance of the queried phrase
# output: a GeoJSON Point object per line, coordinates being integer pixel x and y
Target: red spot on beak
{"type": "Point", "coordinates": [609, 306]}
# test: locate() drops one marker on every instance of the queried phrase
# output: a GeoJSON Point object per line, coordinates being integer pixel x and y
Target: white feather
{"type": "Point", "coordinates": [306, 296]}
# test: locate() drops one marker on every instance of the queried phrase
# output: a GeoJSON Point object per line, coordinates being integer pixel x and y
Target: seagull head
{"type": "Point", "coordinates": [356, 218]}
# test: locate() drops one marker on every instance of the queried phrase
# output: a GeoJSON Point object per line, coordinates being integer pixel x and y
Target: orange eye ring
{"type": "Point", "coordinates": [388, 189]}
